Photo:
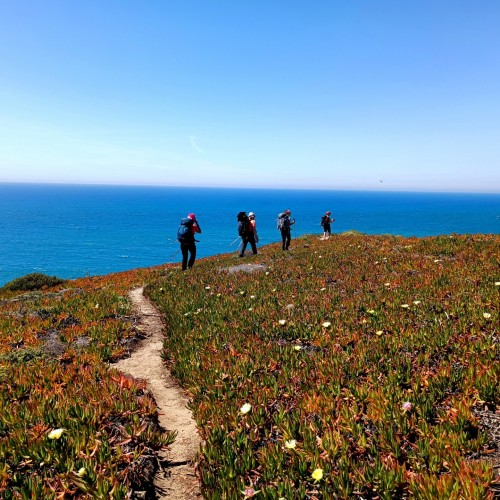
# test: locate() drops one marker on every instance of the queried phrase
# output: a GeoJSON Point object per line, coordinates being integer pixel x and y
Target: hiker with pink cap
{"type": "Point", "coordinates": [185, 236]}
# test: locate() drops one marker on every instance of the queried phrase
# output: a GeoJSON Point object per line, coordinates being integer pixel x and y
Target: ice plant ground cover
{"type": "Point", "coordinates": [356, 367]}
{"type": "Point", "coordinates": [349, 368]}
{"type": "Point", "coordinates": [71, 426]}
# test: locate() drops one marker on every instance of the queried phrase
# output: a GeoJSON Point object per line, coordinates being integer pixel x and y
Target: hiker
{"type": "Point", "coordinates": [325, 222]}
{"type": "Point", "coordinates": [284, 225]}
{"type": "Point", "coordinates": [185, 235]}
{"type": "Point", "coordinates": [248, 232]}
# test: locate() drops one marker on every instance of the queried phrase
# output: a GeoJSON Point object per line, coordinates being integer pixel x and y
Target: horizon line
{"type": "Point", "coordinates": [180, 186]}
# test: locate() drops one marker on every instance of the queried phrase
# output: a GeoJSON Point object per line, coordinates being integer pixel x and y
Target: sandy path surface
{"type": "Point", "coordinates": [176, 478]}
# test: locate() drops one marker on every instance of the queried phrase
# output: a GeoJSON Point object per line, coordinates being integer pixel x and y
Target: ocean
{"type": "Point", "coordinates": [74, 230]}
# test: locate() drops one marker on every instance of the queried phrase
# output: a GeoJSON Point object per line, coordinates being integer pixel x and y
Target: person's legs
{"type": "Point", "coordinates": [192, 256]}
{"type": "Point", "coordinates": [288, 239]}
{"type": "Point", "coordinates": [251, 240]}
{"type": "Point", "coordinates": [283, 237]}
{"type": "Point", "coordinates": [184, 250]}
{"type": "Point", "coordinates": [244, 243]}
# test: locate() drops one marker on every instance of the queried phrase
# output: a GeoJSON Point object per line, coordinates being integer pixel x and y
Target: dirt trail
{"type": "Point", "coordinates": [177, 480]}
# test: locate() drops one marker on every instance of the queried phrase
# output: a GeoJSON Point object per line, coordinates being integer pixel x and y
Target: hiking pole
{"type": "Point", "coordinates": [172, 256]}
{"type": "Point", "coordinates": [231, 244]}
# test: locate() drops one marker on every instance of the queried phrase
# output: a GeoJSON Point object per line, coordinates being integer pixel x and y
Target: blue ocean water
{"type": "Point", "coordinates": [73, 231]}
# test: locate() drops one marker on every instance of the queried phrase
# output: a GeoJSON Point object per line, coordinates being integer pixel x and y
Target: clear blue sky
{"type": "Point", "coordinates": [337, 94]}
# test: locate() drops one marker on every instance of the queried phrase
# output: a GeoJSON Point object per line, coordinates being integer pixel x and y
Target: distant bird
{"type": "Point", "coordinates": [380, 181]}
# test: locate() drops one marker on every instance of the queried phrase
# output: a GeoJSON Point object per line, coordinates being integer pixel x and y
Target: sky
{"type": "Point", "coordinates": [323, 94]}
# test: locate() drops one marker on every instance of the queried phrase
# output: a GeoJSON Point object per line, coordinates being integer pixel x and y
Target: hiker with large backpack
{"type": "Point", "coordinates": [284, 224]}
{"type": "Point", "coordinates": [248, 231]}
{"type": "Point", "coordinates": [185, 236]}
{"type": "Point", "coordinates": [325, 222]}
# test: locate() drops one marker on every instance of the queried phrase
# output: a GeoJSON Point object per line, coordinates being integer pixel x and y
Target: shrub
{"type": "Point", "coordinates": [33, 281]}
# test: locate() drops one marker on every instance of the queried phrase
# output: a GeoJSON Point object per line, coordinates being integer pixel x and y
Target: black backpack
{"type": "Point", "coordinates": [184, 232]}
{"type": "Point", "coordinates": [325, 219]}
{"type": "Point", "coordinates": [242, 223]}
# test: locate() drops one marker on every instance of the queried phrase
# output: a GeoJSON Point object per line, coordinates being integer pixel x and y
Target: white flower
{"type": "Point", "coordinates": [282, 321]}
{"type": "Point", "coordinates": [326, 324]}
{"type": "Point", "coordinates": [252, 296]}
{"type": "Point", "coordinates": [487, 315]}
{"type": "Point", "coordinates": [250, 308]}
{"type": "Point", "coordinates": [245, 408]}
{"type": "Point", "coordinates": [379, 332]}
{"type": "Point", "coordinates": [56, 433]}
{"type": "Point", "coordinates": [371, 311]}
{"type": "Point", "coordinates": [497, 283]}
{"type": "Point", "coordinates": [322, 289]}
{"type": "Point", "coordinates": [417, 302]}
{"type": "Point", "coordinates": [405, 306]}
{"type": "Point", "coordinates": [438, 260]}
{"type": "Point", "coordinates": [297, 347]}
{"type": "Point", "coordinates": [290, 444]}
{"type": "Point", "coordinates": [207, 287]}
{"type": "Point", "coordinates": [406, 406]}
{"type": "Point", "coordinates": [267, 273]}
{"type": "Point", "coordinates": [387, 284]}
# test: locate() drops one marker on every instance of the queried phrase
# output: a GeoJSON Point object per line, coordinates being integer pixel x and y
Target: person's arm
{"type": "Point", "coordinates": [196, 227]}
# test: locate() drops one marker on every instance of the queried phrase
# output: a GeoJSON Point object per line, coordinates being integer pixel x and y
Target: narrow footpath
{"type": "Point", "coordinates": [176, 478]}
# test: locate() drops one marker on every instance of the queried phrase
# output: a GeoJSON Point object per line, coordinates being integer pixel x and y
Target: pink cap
{"type": "Point", "coordinates": [192, 216]}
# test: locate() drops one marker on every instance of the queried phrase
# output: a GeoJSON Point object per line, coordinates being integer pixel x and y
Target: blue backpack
{"type": "Point", "coordinates": [184, 233]}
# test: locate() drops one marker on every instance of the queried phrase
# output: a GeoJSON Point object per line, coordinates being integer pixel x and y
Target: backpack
{"type": "Point", "coordinates": [283, 221]}
{"type": "Point", "coordinates": [324, 220]}
{"type": "Point", "coordinates": [184, 232]}
{"type": "Point", "coordinates": [242, 223]}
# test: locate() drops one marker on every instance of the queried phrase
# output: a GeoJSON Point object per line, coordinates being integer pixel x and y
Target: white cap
{"type": "Point", "coordinates": [251, 214]}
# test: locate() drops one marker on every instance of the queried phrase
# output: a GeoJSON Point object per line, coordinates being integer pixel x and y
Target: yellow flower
{"type": "Point", "coordinates": [497, 283]}
{"type": "Point", "coordinates": [317, 475]}
{"type": "Point", "coordinates": [290, 444]}
{"type": "Point", "coordinates": [487, 315]}
{"type": "Point", "coordinates": [379, 332]}
{"type": "Point", "coordinates": [297, 347]}
{"type": "Point", "coordinates": [82, 472]}
{"type": "Point", "coordinates": [245, 408]}
{"type": "Point", "coordinates": [56, 433]}
{"type": "Point", "coordinates": [371, 311]}
{"type": "Point", "coordinates": [326, 324]}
